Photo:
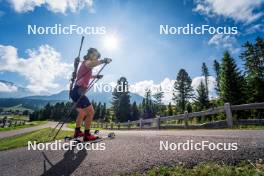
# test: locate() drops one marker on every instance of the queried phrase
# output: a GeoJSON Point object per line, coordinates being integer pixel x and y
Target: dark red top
{"type": "Point", "coordinates": [83, 76]}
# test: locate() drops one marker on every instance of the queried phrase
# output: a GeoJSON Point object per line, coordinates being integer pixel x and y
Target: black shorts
{"type": "Point", "coordinates": [76, 93]}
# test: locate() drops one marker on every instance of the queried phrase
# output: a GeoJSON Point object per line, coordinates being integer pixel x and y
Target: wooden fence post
{"type": "Point", "coordinates": [185, 119]}
{"type": "Point", "coordinates": [140, 123]}
{"type": "Point", "coordinates": [229, 118]}
{"type": "Point", "coordinates": [158, 122]}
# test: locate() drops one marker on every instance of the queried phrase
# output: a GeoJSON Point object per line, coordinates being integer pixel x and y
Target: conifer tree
{"type": "Point", "coordinates": [103, 112]}
{"type": "Point", "coordinates": [253, 58]}
{"type": "Point", "coordinates": [157, 97]}
{"type": "Point", "coordinates": [205, 73]}
{"type": "Point", "coordinates": [148, 105]}
{"type": "Point", "coordinates": [121, 101]}
{"type": "Point", "coordinates": [202, 100]}
{"type": "Point", "coordinates": [231, 81]}
{"type": "Point", "coordinates": [135, 112]}
{"type": "Point", "coordinates": [183, 90]}
{"type": "Point", "coordinates": [170, 110]}
{"type": "Point", "coordinates": [217, 73]}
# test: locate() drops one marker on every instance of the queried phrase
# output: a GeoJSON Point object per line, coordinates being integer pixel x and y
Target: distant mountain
{"type": "Point", "coordinates": [61, 96]}
{"type": "Point", "coordinates": [23, 96]}
{"type": "Point", "coordinates": [16, 91]}
{"type": "Point", "coordinates": [103, 97]}
{"type": "Point", "coordinates": [26, 103]}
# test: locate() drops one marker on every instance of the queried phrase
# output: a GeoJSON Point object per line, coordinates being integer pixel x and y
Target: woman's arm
{"type": "Point", "coordinates": [93, 63]}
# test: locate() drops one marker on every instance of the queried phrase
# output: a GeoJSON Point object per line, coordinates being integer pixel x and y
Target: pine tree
{"type": "Point", "coordinates": [189, 107]}
{"type": "Point", "coordinates": [217, 73]}
{"type": "Point", "coordinates": [231, 81]}
{"type": "Point", "coordinates": [157, 97]}
{"type": "Point", "coordinates": [121, 101]}
{"type": "Point", "coordinates": [202, 100]}
{"type": "Point", "coordinates": [253, 58]}
{"type": "Point", "coordinates": [183, 90]}
{"type": "Point", "coordinates": [47, 111]}
{"type": "Point", "coordinates": [148, 105]}
{"type": "Point", "coordinates": [97, 112]}
{"type": "Point", "coordinates": [108, 116]}
{"type": "Point", "coordinates": [170, 110]}
{"type": "Point", "coordinates": [103, 112]}
{"type": "Point", "coordinates": [205, 73]}
{"type": "Point", "coordinates": [135, 112]}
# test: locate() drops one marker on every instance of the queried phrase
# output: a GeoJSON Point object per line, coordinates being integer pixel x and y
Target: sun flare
{"type": "Point", "coordinates": [111, 42]}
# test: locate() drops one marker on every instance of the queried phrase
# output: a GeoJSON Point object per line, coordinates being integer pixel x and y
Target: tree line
{"type": "Point", "coordinates": [59, 111]}
{"type": "Point", "coordinates": [233, 85]}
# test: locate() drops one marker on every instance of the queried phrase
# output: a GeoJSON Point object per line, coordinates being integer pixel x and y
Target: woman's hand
{"type": "Point", "coordinates": [98, 76]}
{"type": "Point", "coordinates": [107, 60]}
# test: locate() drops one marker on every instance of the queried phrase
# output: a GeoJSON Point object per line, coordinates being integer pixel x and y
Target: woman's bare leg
{"type": "Point", "coordinates": [80, 117]}
{"type": "Point", "coordinates": [89, 116]}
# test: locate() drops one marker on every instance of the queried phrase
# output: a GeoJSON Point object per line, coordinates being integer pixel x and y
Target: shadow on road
{"type": "Point", "coordinates": [67, 165]}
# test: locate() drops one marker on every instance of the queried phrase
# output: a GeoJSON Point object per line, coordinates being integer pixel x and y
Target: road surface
{"type": "Point", "coordinates": [134, 151]}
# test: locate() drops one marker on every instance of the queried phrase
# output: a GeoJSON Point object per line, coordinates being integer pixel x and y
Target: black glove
{"type": "Point", "coordinates": [99, 76]}
{"type": "Point", "coordinates": [107, 60]}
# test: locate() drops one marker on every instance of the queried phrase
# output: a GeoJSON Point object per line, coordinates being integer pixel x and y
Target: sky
{"type": "Point", "coordinates": [43, 62]}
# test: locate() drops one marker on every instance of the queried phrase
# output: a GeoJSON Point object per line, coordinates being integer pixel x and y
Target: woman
{"type": "Point", "coordinates": [84, 107]}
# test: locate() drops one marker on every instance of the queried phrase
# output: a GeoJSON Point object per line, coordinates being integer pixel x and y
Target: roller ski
{"type": "Point", "coordinates": [80, 137]}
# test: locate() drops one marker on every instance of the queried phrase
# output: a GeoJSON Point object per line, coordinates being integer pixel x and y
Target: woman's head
{"type": "Point", "coordinates": [92, 54]}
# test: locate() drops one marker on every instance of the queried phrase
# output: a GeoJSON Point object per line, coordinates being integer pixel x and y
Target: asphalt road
{"type": "Point", "coordinates": [134, 151]}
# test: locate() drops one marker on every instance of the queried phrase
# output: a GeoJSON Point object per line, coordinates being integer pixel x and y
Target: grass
{"type": "Point", "coordinates": [28, 124]}
{"type": "Point", "coordinates": [248, 127]}
{"type": "Point", "coordinates": [71, 125]}
{"type": "Point", "coordinates": [21, 140]}
{"type": "Point", "coordinates": [208, 169]}
{"type": "Point", "coordinates": [20, 117]}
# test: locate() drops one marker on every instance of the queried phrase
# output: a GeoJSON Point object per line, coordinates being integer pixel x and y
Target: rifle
{"type": "Point", "coordinates": [76, 64]}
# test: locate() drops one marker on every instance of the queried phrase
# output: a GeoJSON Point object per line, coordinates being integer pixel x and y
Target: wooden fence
{"type": "Point", "coordinates": [8, 123]}
{"type": "Point", "coordinates": [156, 123]}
